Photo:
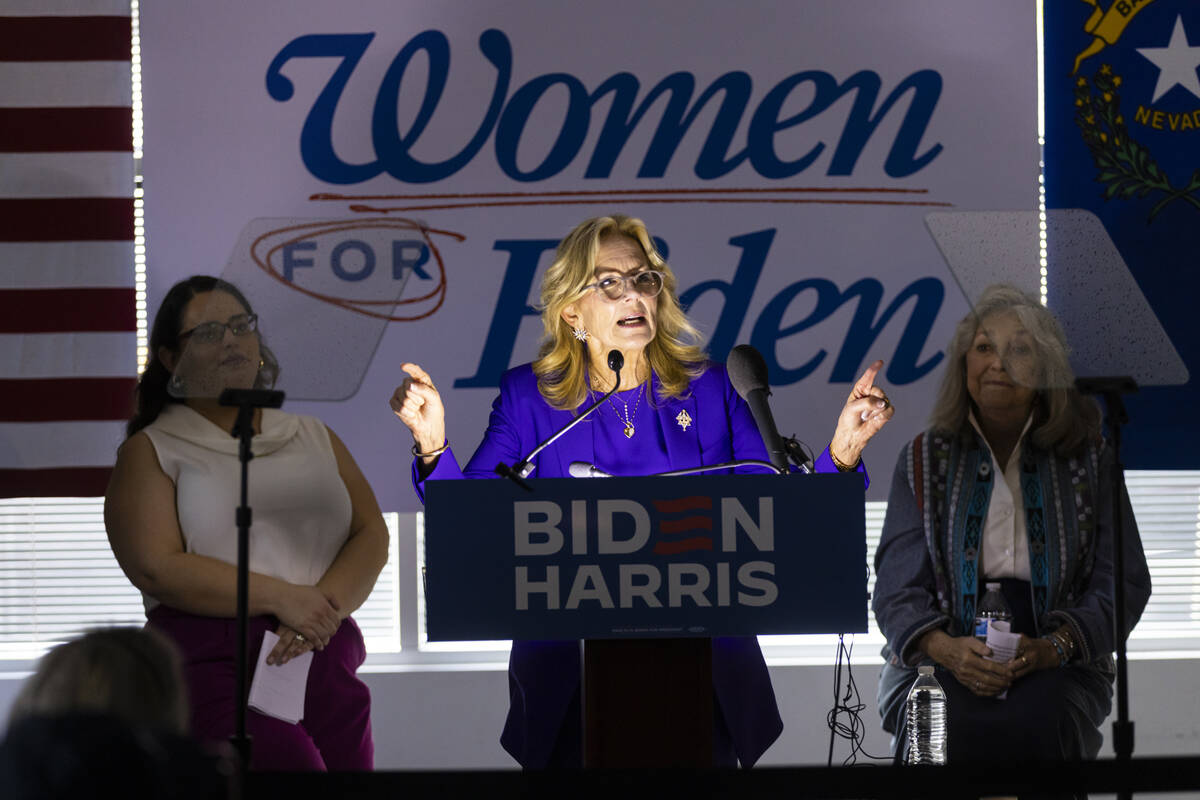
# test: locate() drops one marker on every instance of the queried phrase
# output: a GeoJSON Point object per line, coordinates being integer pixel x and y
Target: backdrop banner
{"type": "Point", "coordinates": [1123, 141]}
{"type": "Point", "coordinates": [400, 172]}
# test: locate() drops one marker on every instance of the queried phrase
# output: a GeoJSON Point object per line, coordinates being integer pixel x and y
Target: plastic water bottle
{"type": "Point", "coordinates": [992, 606]}
{"type": "Point", "coordinates": [926, 714]}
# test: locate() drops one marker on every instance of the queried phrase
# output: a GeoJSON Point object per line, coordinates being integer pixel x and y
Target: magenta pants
{"type": "Point", "coordinates": [335, 733]}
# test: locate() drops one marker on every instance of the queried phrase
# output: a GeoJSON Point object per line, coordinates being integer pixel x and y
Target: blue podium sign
{"type": "Point", "coordinates": [725, 555]}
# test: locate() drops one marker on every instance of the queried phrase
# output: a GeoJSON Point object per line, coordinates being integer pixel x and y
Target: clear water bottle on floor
{"type": "Point", "coordinates": [992, 606]}
{"type": "Point", "coordinates": [926, 720]}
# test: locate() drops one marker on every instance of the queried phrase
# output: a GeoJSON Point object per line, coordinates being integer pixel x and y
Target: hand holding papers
{"type": "Point", "coordinates": [278, 690]}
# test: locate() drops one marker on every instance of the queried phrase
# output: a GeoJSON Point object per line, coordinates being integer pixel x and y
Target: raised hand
{"type": "Point", "coordinates": [867, 410]}
{"type": "Point", "coordinates": [419, 406]}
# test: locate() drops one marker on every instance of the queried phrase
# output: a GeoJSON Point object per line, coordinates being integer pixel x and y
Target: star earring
{"type": "Point", "coordinates": [580, 333]}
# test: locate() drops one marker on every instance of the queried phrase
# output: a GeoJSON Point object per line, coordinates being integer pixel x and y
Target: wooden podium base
{"type": "Point", "coordinates": [647, 703]}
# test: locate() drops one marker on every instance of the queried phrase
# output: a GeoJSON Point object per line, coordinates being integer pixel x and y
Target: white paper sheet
{"type": "Point", "coordinates": [278, 690]}
{"type": "Point", "coordinates": [1003, 644]}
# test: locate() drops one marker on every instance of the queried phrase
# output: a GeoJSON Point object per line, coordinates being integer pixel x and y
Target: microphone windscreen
{"type": "Point", "coordinates": [747, 370]}
{"type": "Point", "coordinates": [615, 360]}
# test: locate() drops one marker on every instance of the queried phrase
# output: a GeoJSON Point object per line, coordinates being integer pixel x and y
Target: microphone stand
{"type": "Point", "coordinates": [582, 469]}
{"type": "Point", "coordinates": [1111, 389]}
{"type": "Point", "coordinates": [245, 400]}
{"type": "Point", "coordinates": [520, 470]}
{"type": "Point", "coordinates": [745, 462]}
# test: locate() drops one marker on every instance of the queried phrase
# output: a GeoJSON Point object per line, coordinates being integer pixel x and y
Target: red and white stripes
{"type": "Point", "coordinates": [67, 303]}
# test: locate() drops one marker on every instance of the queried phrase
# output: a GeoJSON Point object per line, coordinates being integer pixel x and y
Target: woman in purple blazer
{"type": "Point", "coordinates": [609, 289]}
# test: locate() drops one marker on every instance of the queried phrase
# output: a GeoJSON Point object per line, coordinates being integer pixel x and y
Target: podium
{"type": "Point", "coordinates": [645, 572]}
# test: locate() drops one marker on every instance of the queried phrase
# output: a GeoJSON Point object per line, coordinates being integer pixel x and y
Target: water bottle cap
{"type": "Point", "coordinates": [925, 669]}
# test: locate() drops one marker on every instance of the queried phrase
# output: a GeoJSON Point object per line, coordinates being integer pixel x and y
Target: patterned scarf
{"type": "Point", "coordinates": [952, 478]}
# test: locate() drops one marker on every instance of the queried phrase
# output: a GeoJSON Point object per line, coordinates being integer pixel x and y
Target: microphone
{"type": "Point", "coordinates": [748, 374]}
{"type": "Point", "coordinates": [520, 470]}
{"type": "Point", "coordinates": [582, 469]}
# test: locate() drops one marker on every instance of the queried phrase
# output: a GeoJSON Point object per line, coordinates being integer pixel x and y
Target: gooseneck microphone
{"type": "Point", "coordinates": [520, 470]}
{"type": "Point", "coordinates": [582, 469]}
{"type": "Point", "coordinates": [748, 374]}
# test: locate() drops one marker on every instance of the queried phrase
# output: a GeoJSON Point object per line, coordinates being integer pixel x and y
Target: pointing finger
{"type": "Point", "coordinates": [416, 371]}
{"type": "Point", "coordinates": [867, 381]}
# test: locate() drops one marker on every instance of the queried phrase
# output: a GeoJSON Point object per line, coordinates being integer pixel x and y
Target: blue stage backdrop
{"type": "Point", "coordinates": [1123, 141]}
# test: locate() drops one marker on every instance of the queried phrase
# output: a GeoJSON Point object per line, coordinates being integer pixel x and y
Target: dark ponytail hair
{"type": "Point", "coordinates": [152, 395]}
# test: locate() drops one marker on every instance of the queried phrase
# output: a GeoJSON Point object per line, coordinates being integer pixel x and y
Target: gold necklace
{"type": "Point", "coordinates": [629, 430]}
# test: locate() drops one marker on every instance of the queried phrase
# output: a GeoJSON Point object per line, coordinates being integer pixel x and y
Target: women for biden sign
{"type": "Point", "coordinates": [389, 179]}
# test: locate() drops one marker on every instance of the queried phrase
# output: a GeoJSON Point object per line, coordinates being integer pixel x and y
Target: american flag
{"type": "Point", "coordinates": [67, 296]}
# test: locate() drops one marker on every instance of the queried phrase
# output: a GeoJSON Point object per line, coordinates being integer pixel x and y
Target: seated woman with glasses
{"type": "Point", "coordinates": [318, 544]}
{"type": "Point", "coordinates": [609, 289]}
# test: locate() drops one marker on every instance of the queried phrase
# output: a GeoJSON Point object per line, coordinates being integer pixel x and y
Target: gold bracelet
{"type": "Point", "coordinates": [431, 453]}
{"type": "Point", "coordinates": [840, 466]}
{"type": "Point", "coordinates": [1068, 641]}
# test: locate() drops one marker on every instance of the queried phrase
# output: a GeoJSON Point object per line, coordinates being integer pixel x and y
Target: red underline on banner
{"type": "Point", "coordinates": [365, 209]}
{"type": "Point", "coordinates": [66, 399]}
{"type": "Point", "coordinates": [54, 482]}
{"type": "Point", "coordinates": [66, 130]}
{"type": "Point", "coordinates": [101, 310]}
{"type": "Point", "coordinates": [94, 38]}
{"type": "Point", "coordinates": [320, 196]}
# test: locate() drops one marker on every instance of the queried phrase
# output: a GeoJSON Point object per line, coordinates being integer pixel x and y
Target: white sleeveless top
{"type": "Point", "coordinates": [300, 506]}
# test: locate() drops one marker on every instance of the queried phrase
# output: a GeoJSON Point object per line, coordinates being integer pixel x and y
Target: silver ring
{"type": "Point", "coordinates": [300, 638]}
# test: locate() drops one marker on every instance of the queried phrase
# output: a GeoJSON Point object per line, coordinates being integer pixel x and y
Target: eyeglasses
{"type": "Point", "coordinates": [614, 287]}
{"type": "Point", "coordinates": [212, 332]}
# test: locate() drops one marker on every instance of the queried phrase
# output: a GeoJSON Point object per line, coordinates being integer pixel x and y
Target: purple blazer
{"type": "Point", "coordinates": [544, 676]}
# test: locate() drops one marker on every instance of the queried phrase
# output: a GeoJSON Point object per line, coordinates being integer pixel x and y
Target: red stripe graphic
{"type": "Point", "coordinates": [57, 482]}
{"type": "Point", "coordinates": [67, 219]}
{"type": "Point", "coordinates": [684, 545]}
{"type": "Point", "coordinates": [685, 524]}
{"type": "Point", "coordinates": [66, 130]}
{"type": "Point", "coordinates": [65, 38]}
{"type": "Point", "coordinates": [66, 399]}
{"type": "Point", "coordinates": [683, 504]}
{"type": "Point", "coordinates": [67, 310]}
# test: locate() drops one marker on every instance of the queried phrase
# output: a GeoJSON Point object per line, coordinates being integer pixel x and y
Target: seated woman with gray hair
{"type": "Point", "coordinates": [1010, 484]}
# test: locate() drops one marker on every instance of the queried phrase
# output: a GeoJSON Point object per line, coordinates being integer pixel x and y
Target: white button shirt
{"type": "Point", "coordinates": [1004, 552]}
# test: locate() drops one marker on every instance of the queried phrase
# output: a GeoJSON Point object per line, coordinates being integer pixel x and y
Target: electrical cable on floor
{"type": "Point", "coordinates": [853, 729]}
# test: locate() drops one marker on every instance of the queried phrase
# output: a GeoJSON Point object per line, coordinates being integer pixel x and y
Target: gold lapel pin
{"type": "Point", "coordinates": [683, 419]}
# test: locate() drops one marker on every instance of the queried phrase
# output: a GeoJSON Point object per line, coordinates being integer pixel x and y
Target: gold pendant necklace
{"type": "Point", "coordinates": [629, 429]}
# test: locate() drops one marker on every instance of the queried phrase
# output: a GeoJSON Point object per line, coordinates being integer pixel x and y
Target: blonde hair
{"type": "Point", "coordinates": [1064, 420]}
{"type": "Point", "coordinates": [674, 355]}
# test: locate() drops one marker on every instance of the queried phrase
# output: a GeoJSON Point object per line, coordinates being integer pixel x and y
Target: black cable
{"type": "Point", "coordinates": [831, 720]}
{"type": "Point", "coordinates": [850, 704]}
